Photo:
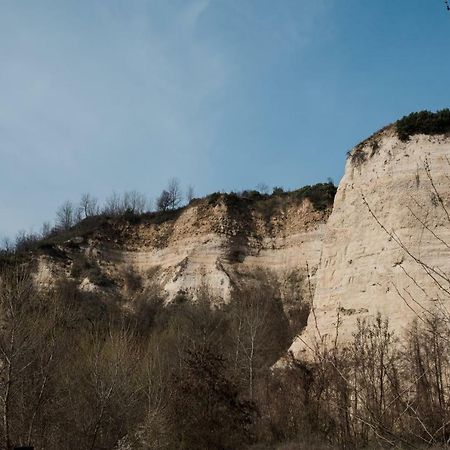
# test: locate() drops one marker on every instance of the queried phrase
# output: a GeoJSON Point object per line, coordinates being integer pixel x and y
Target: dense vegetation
{"type": "Point", "coordinates": [423, 122]}
{"type": "Point", "coordinates": [80, 372]}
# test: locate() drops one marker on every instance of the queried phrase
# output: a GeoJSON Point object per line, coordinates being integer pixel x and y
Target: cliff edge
{"type": "Point", "coordinates": [386, 248]}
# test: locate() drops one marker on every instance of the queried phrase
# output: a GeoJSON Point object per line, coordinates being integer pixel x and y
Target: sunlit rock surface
{"type": "Point", "coordinates": [387, 245]}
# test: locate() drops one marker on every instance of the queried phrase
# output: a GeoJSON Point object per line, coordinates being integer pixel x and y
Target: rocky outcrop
{"type": "Point", "coordinates": [387, 245]}
{"type": "Point", "coordinates": [215, 242]}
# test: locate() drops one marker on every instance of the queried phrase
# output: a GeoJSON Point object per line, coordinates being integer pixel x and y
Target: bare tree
{"type": "Point", "coordinates": [25, 240]}
{"type": "Point", "coordinates": [259, 327]}
{"type": "Point", "coordinates": [65, 216]}
{"type": "Point", "coordinates": [27, 354]}
{"type": "Point", "coordinates": [46, 230]}
{"type": "Point", "coordinates": [134, 202]}
{"type": "Point", "coordinates": [155, 430]}
{"type": "Point", "coordinates": [263, 188]}
{"type": "Point", "coordinates": [14, 293]}
{"type": "Point", "coordinates": [7, 245]}
{"type": "Point", "coordinates": [190, 194]}
{"type": "Point", "coordinates": [170, 198]}
{"type": "Point", "coordinates": [113, 205]}
{"type": "Point", "coordinates": [111, 386]}
{"type": "Point", "coordinates": [150, 204]}
{"type": "Point", "coordinates": [78, 215]}
{"type": "Point", "coordinates": [175, 194]}
{"type": "Point", "coordinates": [163, 201]}
{"type": "Point", "coordinates": [88, 206]}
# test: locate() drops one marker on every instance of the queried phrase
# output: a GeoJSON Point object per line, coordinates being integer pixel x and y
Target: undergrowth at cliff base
{"type": "Point", "coordinates": [79, 371]}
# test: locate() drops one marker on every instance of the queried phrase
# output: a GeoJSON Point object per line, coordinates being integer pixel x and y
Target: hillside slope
{"type": "Point", "coordinates": [217, 242]}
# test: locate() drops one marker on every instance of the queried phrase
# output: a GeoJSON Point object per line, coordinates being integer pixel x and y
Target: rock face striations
{"type": "Point", "coordinates": [218, 242]}
{"type": "Point", "coordinates": [386, 249]}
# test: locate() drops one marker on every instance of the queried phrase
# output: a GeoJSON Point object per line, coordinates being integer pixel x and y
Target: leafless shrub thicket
{"type": "Point", "coordinates": [79, 372]}
{"type": "Point", "coordinates": [69, 214]}
{"type": "Point", "coordinates": [375, 392]}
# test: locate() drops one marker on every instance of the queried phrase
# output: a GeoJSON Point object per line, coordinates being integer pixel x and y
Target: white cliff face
{"type": "Point", "coordinates": [364, 270]}
{"type": "Point", "coordinates": [217, 250]}
{"type": "Point", "coordinates": [214, 244]}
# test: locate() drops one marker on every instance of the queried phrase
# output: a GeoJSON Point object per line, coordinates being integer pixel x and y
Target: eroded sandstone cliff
{"type": "Point", "coordinates": [386, 248]}
{"type": "Point", "coordinates": [217, 242]}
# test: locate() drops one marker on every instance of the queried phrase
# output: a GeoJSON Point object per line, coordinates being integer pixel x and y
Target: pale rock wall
{"type": "Point", "coordinates": [214, 244]}
{"type": "Point", "coordinates": [363, 271]}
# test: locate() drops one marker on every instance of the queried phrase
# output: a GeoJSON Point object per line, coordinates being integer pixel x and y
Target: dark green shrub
{"type": "Point", "coordinates": [277, 190]}
{"type": "Point", "coordinates": [423, 122]}
{"type": "Point", "coordinates": [52, 250]}
{"type": "Point", "coordinates": [321, 195]}
{"type": "Point", "coordinates": [160, 217]}
{"type": "Point", "coordinates": [213, 198]}
{"type": "Point", "coordinates": [252, 194]}
{"type": "Point", "coordinates": [375, 145]}
{"type": "Point", "coordinates": [132, 217]}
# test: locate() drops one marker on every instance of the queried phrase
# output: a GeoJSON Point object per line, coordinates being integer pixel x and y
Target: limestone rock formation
{"type": "Point", "coordinates": [387, 245]}
{"type": "Point", "coordinates": [216, 242]}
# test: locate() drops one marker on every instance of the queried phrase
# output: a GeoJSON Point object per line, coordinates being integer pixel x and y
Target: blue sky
{"type": "Point", "coordinates": [104, 95]}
